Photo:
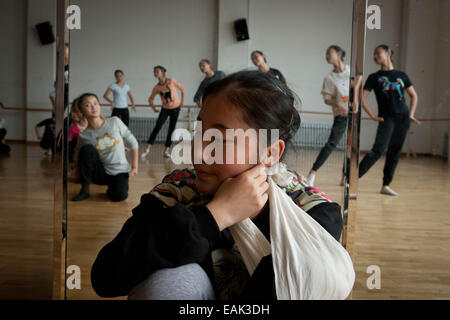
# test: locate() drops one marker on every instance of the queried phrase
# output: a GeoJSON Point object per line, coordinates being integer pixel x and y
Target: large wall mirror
{"type": "Point", "coordinates": [304, 40]}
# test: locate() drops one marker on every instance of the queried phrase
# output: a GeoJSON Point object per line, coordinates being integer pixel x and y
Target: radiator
{"type": "Point", "coordinates": [310, 135]}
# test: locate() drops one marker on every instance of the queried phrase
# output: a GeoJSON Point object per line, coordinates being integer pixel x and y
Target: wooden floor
{"type": "Point", "coordinates": [407, 237]}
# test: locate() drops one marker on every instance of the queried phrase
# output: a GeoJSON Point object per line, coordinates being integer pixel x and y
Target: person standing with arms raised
{"type": "Point", "coordinates": [335, 92]}
{"type": "Point", "coordinates": [171, 104]}
{"type": "Point", "coordinates": [260, 61]}
{"type": "Point", "coordinates": [210, 77]}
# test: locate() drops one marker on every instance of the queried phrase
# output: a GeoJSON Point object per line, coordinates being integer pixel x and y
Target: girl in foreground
{"type": "Point", "coordinates": [177, 244]}
{"type": "Point", "coordinates": [102, 158]}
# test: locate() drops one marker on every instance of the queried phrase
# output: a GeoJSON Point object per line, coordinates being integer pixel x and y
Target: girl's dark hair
{"type": "Point", "coordinates": [386, 48]}
{"type": "Point", "coordinates": [338, 50]}
{"type": "Point", "coordinates": [117, 71]}
{"type": "Point", "coordinates": [160, 68]}
{"type": "Point", "coordinates": [204, 60]}
{"type": "Point", "coordinates": [1, 105]}
{"type": "Point", "coordinates": [84, 96]}
{"type": "Point", "coordinates": [259, 52]}
{"type": "Point", "coordinates": [265, 101]}
{"type": "Point", "coordinates": [75, 104]}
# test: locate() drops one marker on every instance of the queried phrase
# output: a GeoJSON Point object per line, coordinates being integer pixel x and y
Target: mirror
{"type": "Point", "coordinates": [137, 36]}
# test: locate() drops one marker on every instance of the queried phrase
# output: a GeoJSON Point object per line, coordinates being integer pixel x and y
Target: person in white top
{"type": "Point", "coordinates": [335, 92]}
{"type": "Point", "coordinates": [4, 148]}
{"type": "Point", "coordinates": [120, 92]}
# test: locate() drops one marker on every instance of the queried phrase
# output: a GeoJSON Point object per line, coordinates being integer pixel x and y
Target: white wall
{"type": "Point", "coordinates": [12, 64]}
{"type": "Point", "coordinates": [294, 35]}
{"type": "Point", "coordinates": [40, 64]}
{"type": "Point", "coordinates": [137, 35]}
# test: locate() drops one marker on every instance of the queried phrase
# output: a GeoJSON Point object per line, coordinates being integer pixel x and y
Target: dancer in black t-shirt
{"type": "Point", "coordinates": [394, 117]}
{"type": "Point", "coordinates": [259, 60]}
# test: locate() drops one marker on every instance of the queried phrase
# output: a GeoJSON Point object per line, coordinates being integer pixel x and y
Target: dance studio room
{"type": "Point", "coordinates": [225, 150]}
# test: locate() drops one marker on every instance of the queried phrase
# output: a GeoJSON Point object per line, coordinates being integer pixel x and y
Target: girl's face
{"type": "Point", "coordinates": [119, 76]}
{"type": "Point", "coordinates": [332, 56]}
{"type": "Point", "coordinates": [258, 59]}
{"type": "Point", "coordinates": [76, 115]}
{"type": "Point", "coordinates": [381, 56]}
{"type": "Point", "coordinates": [158, 73]}
{"type": "Point", "coordinates": [205, 67]}
{"type": "Point", "coordinates": [219, 114]}
{"type": "Point", "coordinates": [90, 107]}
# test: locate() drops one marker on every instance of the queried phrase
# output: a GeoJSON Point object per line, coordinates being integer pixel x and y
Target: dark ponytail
{"type": "Point", "coordinates": [259, 52]}
{"type": "Point", "coordinates": [386, 48]}
{"type": "Point", "coordinates": [338, 50]}
{"type": "Point", "coordinates": [265, 102]}
{"type": "Point", "coordinates": [160, 68]}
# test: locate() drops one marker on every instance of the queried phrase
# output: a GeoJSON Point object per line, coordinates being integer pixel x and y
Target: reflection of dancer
{"type": "Point", "coordinates": [171, 104]}
{"type": "Point", "coordinates": [120, 92]}
{"type": "Point", "coordinates": [393, 115]}
{"type": "Point", "coordinates": [164, 250]}
{"type": "Point", "coordinates": [335, 93]}
{"type": "Point", "coordinates": [48, 139]}
{"type": "Point", "coordinates": [210, 77]}
{"type": "Point", "coordinates": [78, 124]}
{"type": "Point", "coordinates": [259, 60]}
{"type": "Point", "coordinates": [4, 148]}
{"type": "Point", "coordinates": [102, 159]}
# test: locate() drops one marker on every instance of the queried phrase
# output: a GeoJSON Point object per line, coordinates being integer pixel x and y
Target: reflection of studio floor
{"type": "Point", "coordinates": [407, 237]}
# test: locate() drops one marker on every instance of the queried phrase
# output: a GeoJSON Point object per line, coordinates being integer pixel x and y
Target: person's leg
{"type": "Point", "coordinates": [90, 170]}
{"type": "Point", "coordinates": [188, 282]}
{"type": "Point", "coordinates": [337, 131]}
{"type": "Point", "coordinates": [172, 124]}
{"type": "Point", "coordinates": [2, 134]}
{"type": "Point", "coordinates": [115, 113]}
{"type": "Point", "coordinates": [384, 133]}
{"type": "Point", "coordinates": [398, 138]}
{"type": "Point", "coordinates": [159, 123]}
{"type": "Point", "coordinates": [126, 116]}
{"type": "Point", "coordinates": [118, 187]}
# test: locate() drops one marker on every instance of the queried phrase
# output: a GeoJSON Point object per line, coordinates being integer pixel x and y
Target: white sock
{"type": "Point", "coordinates": [311, 178]}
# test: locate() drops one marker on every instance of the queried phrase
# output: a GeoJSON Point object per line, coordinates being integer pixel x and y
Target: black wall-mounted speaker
{"type": "Point", "coordinates": [45, 32]}
{"type": "Point", "coordinates": [240, 26]}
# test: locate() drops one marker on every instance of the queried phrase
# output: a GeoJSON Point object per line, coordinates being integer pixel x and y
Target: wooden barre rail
{"type": "Point", "coordinates": [194, 107]}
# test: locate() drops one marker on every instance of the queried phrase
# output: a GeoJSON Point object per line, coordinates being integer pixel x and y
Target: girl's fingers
{"type": "Point", "coordinates": [260, 179]}
{"type": "Point", "coordinates": [263, 187]}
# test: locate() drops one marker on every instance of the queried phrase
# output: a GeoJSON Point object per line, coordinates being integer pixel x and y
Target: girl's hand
{"type": "Point", "coordinates": [133, 172]}
{"type": "Point", "coordinates": [414, 120]}
{"type": "Point", "coordinates": [377, 119]}
{"type": "Point", "coordinates": [112, 105]}
{"type": "Point", "coordinates": [154, 109]}
{"type": "Point", "coordinates": [342, 109]}
{"type": "Point", "coordinates": [241, 197]}
{"type": "Point", "coordinates": [133, 107]}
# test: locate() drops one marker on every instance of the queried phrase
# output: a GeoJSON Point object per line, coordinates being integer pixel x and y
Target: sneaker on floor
{"type": "Point", "coordinates": [310, 179]}
{"type": "Point", "coordinates": [388, 191]}
{"type": "Point", "coordinates": [81, 196]}
{"type": "Point", "coordinates": [167, 154]}
{"type": "Point", "coordinates": [144, 154]}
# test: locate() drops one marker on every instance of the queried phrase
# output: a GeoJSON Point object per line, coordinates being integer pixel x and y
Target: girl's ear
{"type": "Point", "coordinates": [273, 153]}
